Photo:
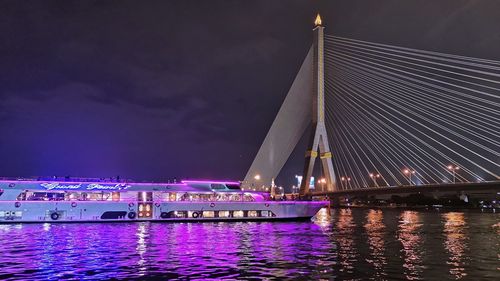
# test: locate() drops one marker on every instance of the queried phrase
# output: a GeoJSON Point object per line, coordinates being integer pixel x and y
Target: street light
{"type": "Point", "coordinates": [322, 181]}
{"type": "Point", "coordinates": [374, 177]}
{"type": "Point", "coordinates": [257, 178]}
{"type": "Point", "coordinates": [454, 170]}
{"type": "Point", "coordinates": [409, 173]}
{"type": "Point", "coordinates": [345, 181]}
{"type": "Point", "coordinates": [342, 180]}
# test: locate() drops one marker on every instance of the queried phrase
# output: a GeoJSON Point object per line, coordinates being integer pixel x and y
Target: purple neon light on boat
{"type": "Point", "coordinates": [210, 181]}
{"type": "Point", "coordinates": [183, 182]}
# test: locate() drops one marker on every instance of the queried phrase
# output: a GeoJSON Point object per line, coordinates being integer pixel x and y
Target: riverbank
{"type": "Point", "coordinates": [422, 208]}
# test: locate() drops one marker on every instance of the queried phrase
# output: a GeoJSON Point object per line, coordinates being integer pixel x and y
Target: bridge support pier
{"type": "Point", "coordinates": [319, 137]}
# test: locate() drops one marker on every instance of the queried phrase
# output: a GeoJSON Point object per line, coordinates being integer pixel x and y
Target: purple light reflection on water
{"type": "Point", "coordinates": [134, 250]}
{"type": "Point", "coordinates": [350, 245]}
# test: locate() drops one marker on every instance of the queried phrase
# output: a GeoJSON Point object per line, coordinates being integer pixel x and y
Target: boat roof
{"type": "Point", "coordinates": [102, 185]}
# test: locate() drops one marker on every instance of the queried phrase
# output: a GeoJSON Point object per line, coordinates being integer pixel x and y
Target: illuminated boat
{"type": "Point", "coordinates": [98, 201]}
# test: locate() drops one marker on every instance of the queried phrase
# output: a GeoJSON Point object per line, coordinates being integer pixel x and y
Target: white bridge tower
{"type": "Point", "coordinates": [318, 144]}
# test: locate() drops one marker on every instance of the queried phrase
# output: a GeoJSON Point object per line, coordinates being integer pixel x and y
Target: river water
{"type": "Point", "coordinates": [351, 244]}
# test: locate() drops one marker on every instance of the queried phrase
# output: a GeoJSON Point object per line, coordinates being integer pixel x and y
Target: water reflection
{"type": "Point", "coordinates": [375, 230]}
{"type": "Point", "coordinates": [323, 218]}
{"type": "Point", "coordinates": [330, 248]}
{"type": "Point", "coordinates": [345, 234]}
{"type": "Point", "coordinates": [142, 233]}
{"type": "Point", "coordinates": [409, 236]}
{"type": "Point", "coordinates": [455, 243]}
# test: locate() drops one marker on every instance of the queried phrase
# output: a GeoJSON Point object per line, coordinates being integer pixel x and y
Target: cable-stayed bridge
{"type": "Point", "coordinates": [387, 116]}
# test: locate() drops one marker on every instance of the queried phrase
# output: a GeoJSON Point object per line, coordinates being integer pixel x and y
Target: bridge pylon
{"type": "Point", "coordinates": [318, 143]}
{"type": "Point", "coordinates": [292, 121]}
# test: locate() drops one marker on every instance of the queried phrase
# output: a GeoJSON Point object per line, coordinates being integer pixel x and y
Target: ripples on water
{"type": "Point", "coordinates": [357, 244]}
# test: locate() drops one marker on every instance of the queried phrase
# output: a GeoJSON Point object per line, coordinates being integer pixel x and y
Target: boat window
{"type": "Point", "coordinates": [197, 197]}
{"type": "Point", "coordinates": [177, 214]}
{"type": "Point", "coordinates": [217, 186]}
{"type": "Point", "coordinates": [237, 214]}
{"type": "Point", "coordinates": [183, 197]}
{"type": "Point", "coordinates": [94, 196]}
{"type": "Point", "coordinates": [252, 214]}
{"type": "Point", "coordinates": [194, 214]}
{"type": "Point", "coordinates": [233, 186]}
{"type": "Point", "coordinates": [145, 196]}
{"type": "Point", "coordinates": [172, 196]}
{"type": "Point", "coordinates": [164, 196]}
{"type": "Point", "coordinates": [41, 196]}
{"type": "Point", "coordinates": [267, 214]}
{"type": "Point", "coordinates": [106, 196]}
{"type": "Point", "coordinates": [224, 197]}
{"type": "Point", "coordinates": [72, 196]}
{"type": "Point", "coordinates": [145, 210]}
{"type": "Point", "coordinates": [84, 196]}
{"type": "Point", "coordinates": [22, 196]}
{"type": "Point", "coordinates": [224, 214]}
{"type": "Point", "coordinates": [115, 196]}
{"type": "Point", "coordinates": [248, 198]}
{"type": "Point", "coordinates": [112, 215]}
{"type": "Point", "coordinates": [208, 214]}
{"type": "Point", "coordinates": [55, 196]}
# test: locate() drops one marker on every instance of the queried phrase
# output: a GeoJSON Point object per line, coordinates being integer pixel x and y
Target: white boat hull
{"type": "Point", "coordinates": [105, 211]}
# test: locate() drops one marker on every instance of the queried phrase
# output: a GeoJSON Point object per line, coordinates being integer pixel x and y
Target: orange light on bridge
{"type": "Point", "coordinates": [454, 170]}
{"type": "Point", "coordinates": [406, 171]}
{"type": "Point", "coordinates": [409, 173]}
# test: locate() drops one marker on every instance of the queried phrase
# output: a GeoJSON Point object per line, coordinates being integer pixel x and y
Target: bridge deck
{"type": "Point", "coordinates": [446, 187]}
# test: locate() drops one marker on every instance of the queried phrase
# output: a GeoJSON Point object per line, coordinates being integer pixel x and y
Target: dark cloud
{"type": "Point", "coordinates": [157, 89]}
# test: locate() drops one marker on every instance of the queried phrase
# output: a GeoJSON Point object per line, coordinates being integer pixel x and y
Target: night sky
{"type": "Point", "coordinates": [152, 90]}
